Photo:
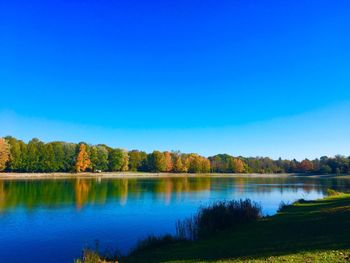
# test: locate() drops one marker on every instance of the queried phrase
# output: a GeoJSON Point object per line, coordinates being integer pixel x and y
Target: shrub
{"type": "Point", "coordinates": [217, 217]}
{"type": "Point", "coordinates": [301, 201]}
{"type": "Point", "coordinates": [331, 192]}
{"type": "Point", "coordinates": [154, 241]}
{"type": "Point", "coordinates": [88, 256]}
{"type": "Point", "coordinates": [283, 205]}
{"type": "Point", "coordinates": [93, 255]}
{"type": "Point", "coordinates": [187, 229]}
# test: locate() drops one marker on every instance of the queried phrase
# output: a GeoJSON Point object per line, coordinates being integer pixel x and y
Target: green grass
{"type": "Point", "coordinates": [312, 231]}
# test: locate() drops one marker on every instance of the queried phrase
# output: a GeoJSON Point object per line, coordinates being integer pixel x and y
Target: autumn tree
{"type": "Point", "coordinates": [237, 165]}
{"type": "Point", "coordinates": [18, 155]}
{"type": "Point", "coordinates": [4, 153]}
{"type": "Point", "coordinates": [125, 162]}
{"type": "Point", "coordinates": [178, 166]}
{"type": "Point", "coordinates": [83, 159]}
{"type": "Point", "coordinates": [216, 163]}
{"type": "Point", "coordinates": [306, 166]}
{"type": "Point", "coordinates": [198, 164]}
{"type": "Point", "coordinates": [185, 159]}
{"type": "Point", "coordinates": [168, 162]}
{"type": "Point", "coordinates": [205, 165]}
{"type": "Point", "coordinates": [37, 156]}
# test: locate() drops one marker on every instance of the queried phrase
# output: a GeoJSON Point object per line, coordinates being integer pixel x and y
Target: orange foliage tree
{"type": "Point", "coordinates": [168, 162]}
{"type": "Point", "coordinates": [306, 165]}
{"type": "Point", "coordinates": [83, 160]}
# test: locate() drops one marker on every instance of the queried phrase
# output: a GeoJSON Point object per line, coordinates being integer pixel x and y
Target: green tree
{"type": "Point", "coordinates": [325, 169]}
{"type": "Point", "coordinates": [156, 162]}
{"type": "Point", "coordinates": [118, 160]}
{"type": "Point", "coordinates": [59, 157]}
{"type": "Point", "coordinates": [93, 158]}
{"type": "Point", "coordinates": [99, 158]}
{"type": "Point", "coordinates": [69, 160]}
{"type": "Point", "coordinates": [49, 164]}
{"type": "Point", "coordinates": [222, 163]}
{"type": "Point", "coordinates": [34, 160]}
{"type": "Point", "coordinates": [136, 160]}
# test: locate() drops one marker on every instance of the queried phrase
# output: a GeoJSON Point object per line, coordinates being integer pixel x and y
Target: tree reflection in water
{"type": "Point", "coordinates": [80, 192]}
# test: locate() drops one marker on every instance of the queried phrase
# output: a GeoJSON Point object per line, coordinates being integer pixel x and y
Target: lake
{"type": "Point", "coordinates": [56, 219]}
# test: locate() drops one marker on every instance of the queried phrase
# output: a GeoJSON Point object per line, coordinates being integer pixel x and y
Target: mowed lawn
{"type": "Point", "coordinates": [312, 231]}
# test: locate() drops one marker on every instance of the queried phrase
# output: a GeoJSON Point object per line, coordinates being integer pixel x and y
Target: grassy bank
{"type": "Point", "coordinates": [313, 231]}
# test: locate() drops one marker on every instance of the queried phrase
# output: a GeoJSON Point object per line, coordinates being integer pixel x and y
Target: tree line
{"type": "Point", "coordinates": [37, 156]}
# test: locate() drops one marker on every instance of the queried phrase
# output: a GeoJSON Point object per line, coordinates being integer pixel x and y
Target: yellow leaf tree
{"type": "Point", "coordinates": [4, 153]}
{"type": "Point", "coordinates": [238, 165]}
{"type": "Point", "coordinates": [178, 166]}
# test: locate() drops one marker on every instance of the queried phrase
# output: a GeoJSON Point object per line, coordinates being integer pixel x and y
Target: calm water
{"type": "Point", "coordinates": [55, 219]}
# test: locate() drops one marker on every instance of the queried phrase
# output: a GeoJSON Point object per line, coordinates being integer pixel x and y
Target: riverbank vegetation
{"type": "Point", "coordinates": [37, 156]}
{"type": "Point", "coordinates": [208, 221]}
{"type": "Point", "coordinates": [306, 231]}
{"type": "Point", "coordinates": [217, 217]}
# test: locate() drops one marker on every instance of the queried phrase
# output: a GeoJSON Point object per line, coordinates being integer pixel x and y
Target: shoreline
{"type": "Point", "coordinates": [141, 175]}
{"type": "Point", "coordinates": [300, 224]}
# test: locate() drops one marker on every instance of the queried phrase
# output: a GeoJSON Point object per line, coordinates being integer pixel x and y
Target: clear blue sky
{"type": "Point", "coordinates": [243, 77]}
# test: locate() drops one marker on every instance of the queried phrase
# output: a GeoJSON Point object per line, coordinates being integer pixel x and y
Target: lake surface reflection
{"type": "Point", "coordinates": [56, 219]}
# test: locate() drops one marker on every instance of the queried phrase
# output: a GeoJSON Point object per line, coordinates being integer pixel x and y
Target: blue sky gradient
{"type": "Point", "coordinates": [242, 77]}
